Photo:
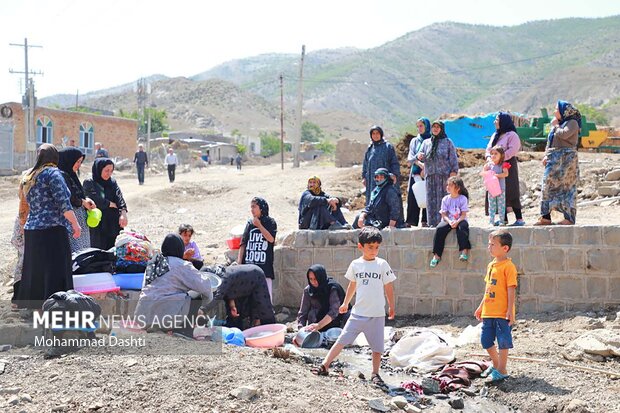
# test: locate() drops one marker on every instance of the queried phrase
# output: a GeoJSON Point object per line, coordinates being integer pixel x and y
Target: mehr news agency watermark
{"type": "Point", "coordinates": [87, 322]}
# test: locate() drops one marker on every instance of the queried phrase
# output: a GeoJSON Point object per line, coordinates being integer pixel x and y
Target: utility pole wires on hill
{"type": "Point", "coordinates": [300, 97]}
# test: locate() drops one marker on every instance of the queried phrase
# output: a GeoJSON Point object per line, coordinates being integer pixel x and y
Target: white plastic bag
{"type": "Point", "coordinates": [471, 335]}
{"type": "Point", "coordinates": [423, 351]}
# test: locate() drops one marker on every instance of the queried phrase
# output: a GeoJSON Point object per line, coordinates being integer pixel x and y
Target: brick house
{"type": "Point", "coordinates": [60, 127]}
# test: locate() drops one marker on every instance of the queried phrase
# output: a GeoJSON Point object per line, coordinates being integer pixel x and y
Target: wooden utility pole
{"type": "Point", "coordinates": [28, 103]}
{"type": "Point", "coordinates": [282, 120]}
{"type": "Point", "coordinates": [300, 98]}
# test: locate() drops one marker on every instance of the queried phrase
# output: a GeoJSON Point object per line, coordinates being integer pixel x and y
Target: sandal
{"type": "Point", "coordinates": [434, 262]}
{"type": "Point", "coordinates": [487, 372]}
{"type": "Point", "coordinates": [496, 377]}
{"type": "Point", "coordinates": [320, 371]}
{"type": "Point", "coordinates": [377, 380]}
{"type": "Point", "coordinates": [565, 222]}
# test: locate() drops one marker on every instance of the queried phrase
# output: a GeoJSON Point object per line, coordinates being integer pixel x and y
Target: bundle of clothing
{"type": "Point", "coordinates": [133, 252]}
{"type": "Point", "coordinates": [68, 304]}
{"type": "Point", "coordinates": [458, 375]}
{"type": "Point", "coordinates": [93, 260]}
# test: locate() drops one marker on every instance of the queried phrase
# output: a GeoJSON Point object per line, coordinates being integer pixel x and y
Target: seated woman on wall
{"type": "Point", "coordinates": [385, 206]}
{"type": "Point", "coordinates": [320, 302]}
{"type": "Point", "coordinates": [168, 280]}
{"type": "Point", "coordinates": [106, 194]}
{"type": "Point", "coordinates": [246, 297]}
{"type": "Point", "coordinates": [318, 210]}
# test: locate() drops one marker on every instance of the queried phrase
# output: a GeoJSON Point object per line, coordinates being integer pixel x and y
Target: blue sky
{"type": "Point", "coordinates": [92, 44]}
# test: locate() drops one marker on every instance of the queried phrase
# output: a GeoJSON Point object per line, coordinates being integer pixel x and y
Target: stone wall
{"type": "Point", "coordinates": [560, 268]}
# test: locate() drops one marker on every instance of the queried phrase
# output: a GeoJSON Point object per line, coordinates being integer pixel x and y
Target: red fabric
{"type": "Point", "coordinates": [455, 376]}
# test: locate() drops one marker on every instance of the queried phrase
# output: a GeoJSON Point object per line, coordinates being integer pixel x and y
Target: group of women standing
{"type": "Point", "coordinates": [432, 157]}
{"type": "Point", "coordinates": [51, 224]}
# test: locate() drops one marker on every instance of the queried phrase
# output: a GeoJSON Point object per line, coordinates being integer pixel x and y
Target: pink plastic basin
{"type": "Point", "coordinates": [266, 336]}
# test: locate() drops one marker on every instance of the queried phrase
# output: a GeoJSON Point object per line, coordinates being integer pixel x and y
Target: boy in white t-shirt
{"type": "Point", "coordinates": [370, 278]}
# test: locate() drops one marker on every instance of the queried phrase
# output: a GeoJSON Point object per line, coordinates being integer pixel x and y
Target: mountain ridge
{"type": "Point", "coordinates": [445, 67]}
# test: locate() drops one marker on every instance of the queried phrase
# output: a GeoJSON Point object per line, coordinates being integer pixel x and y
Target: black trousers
{"type": "Point", "coordinates": [189, 324]}
{"type": "Point", "coordinates": [140, 169]}
{"type": "Point", "coordinates": [443, 229]}
{"type": "Point", "coordinates": [413, 210]}
{"type": "Point", "coordinates": [171, 170]}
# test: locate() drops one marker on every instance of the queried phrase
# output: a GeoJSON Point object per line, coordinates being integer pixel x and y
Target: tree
{"type": "Point", "coordinates": [311, 132]}
{"type": "Point", "coordinates": [592, 114]}
{"type": "Point", "coordinates": [159, 119]}
{"type": "Point", "coordinates": [270, 143]}
{"type": "Point", "coordinates": [326, 146]}
{"type": "Point", "coordinates": [242, 149]}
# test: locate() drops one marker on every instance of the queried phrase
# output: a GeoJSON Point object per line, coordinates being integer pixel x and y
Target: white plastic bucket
{"type": "Point", "coordinates": [419, 191]}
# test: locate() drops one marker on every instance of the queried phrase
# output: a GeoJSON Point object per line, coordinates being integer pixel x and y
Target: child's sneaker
{"type": "Point", "coordinates": [463, 257]}
{"type": "Point", "coordinates": [434, 262]}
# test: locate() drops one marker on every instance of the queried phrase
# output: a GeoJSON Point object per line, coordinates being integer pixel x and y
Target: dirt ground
{"type": "Point", "coordinates": [214, 200]}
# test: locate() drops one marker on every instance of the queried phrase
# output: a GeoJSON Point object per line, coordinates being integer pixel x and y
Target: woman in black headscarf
{"type": "Point", "coordinates": [506, 136]}
{"type": "Point", "coordinates": [47, 255]}
{"type": "Point", "coordinates": [106, 194]}
{"type": "Point", "coordinates": [246, 297]}
{"type": "Point", "coordinates": [169, 283]}
{"type": "Point", "coordinates": [70, 160]}
{"type": "Point", "coordinates": [380, 154]}
{"type": "Point", "coordinates": [320, 302]}
{"type": "Point", "coordinates": [258, 240]}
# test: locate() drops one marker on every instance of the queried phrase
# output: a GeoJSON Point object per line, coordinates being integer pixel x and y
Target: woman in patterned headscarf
{"type": "Point", "coordinates": [258, 240]}
{"type": "Point", "coordinates": [440, 162]}
{"type": "Point", "coordinates": [559, 186]}
{"type": "Point", "coordinates": [47, 254]}
{"type": "Point", "coordinates": [318, 210]}
{"type": "Point", "coordinates": [385, 207]}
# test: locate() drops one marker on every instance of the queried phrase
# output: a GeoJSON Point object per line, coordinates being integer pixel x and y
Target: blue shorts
{"type": "Point", "coordinates": [496, 327]}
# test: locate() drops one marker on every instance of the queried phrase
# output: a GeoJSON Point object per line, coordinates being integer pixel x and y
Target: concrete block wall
{"type": "Point", "coordinates": [561, 268]}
